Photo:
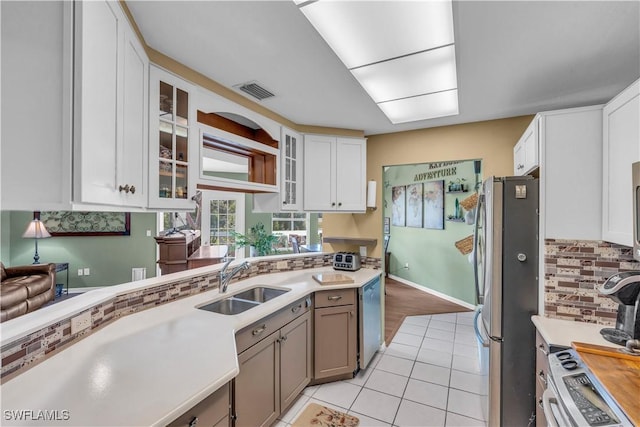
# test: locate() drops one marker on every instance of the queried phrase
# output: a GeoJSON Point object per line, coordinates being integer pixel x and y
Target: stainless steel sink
{"type": "Point", "coordinates": [260, 294]}
{"type": "Point", "coordinates": [229, 306]}
{"type": "Point", "coordinates": [244, 300]}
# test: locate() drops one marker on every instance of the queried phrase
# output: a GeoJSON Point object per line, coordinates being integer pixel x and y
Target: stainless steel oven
{"type": "Point", "coordinates": [575, 397]}
{"type": "Point", "coordinates": [636, 209]}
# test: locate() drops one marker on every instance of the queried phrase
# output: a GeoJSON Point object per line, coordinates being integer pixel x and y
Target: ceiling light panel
{"type": "Point", "coordinates": [418, 74]}
{"type": "Point", "coordinates": [364, 32]}
{"type": "Point", "coordinates": [423, 107]}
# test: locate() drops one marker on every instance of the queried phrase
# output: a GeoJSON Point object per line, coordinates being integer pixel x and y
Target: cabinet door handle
{"type": "Point", "coordinates": [542, 349]}
{"type": "Point", "coordinates": [351, 313]}
{"type": "Point", "coordinates": [284, 338]}
{"type": "Point", "coordinates": [260, 330]}
{"type": "Point", "coordinates": [125, 188]}
{"type": "Point", "coordinates": [193, 422]}
{"type": "Point", "coordinates": [333, 204]}
{"type": "Point", "coordinates": [133, 189]}
{"type": "Point", "coordinates": [284, 202]}
{"type": "Point", "coordinates": [540, 403]}
{"type": "Point", "coordinates": [542, 378]}
{"type": "Point", "coordinates": [334, 298]}
{"type": "Point", "coordinates": [296, 309]}
{"type": "Point", "coordinates": [340, 204]}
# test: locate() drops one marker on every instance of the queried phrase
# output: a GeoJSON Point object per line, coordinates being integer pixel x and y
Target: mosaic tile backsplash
{"type": "Point", "coordinates": [20, 355]}
{"type": "Point", "coordinates": [573, 269]}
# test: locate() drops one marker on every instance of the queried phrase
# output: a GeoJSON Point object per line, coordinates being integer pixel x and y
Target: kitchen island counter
{"type": "Point", "coordinates": [150, 367]}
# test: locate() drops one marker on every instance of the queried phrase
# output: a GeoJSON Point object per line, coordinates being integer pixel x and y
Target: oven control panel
{"type": "Point", "coordinates": [582, 397]}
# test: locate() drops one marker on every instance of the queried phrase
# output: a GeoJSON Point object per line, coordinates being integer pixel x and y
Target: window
{"type": "Point", "coordinates": [286, 224]}
{"type": "Point", "coordinates": [289, 222]}
{"type": "Point", "coordinates": [223, 220]}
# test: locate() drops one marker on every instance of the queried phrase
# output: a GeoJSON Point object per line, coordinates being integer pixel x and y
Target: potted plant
{"type": "Point", "coordinates": [257, 239]}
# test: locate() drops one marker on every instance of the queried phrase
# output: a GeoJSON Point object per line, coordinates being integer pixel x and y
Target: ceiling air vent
{"type": "Point", "coordinates": [255, 90]}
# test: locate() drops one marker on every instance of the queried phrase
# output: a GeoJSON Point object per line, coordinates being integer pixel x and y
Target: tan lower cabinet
{"type": "Point", "coordinates": [273, 370]}
{"type": "Point", "coordinates": [295, 359]}
{"type": "Point", "coordinates": [212, 411]}
{"type": "Point", "coordinates": [335, 333]}
{"type": "Point", "coordinates": [256, 396]}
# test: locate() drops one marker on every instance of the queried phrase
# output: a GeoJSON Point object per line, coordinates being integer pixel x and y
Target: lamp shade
{"type": "Point", "coordinates": [36, 230]}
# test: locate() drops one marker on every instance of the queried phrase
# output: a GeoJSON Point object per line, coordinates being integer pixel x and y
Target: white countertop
{"type": "Point", "coordinates": [148, 368]}
{"type": "Point", "coordinates": [564, 332]}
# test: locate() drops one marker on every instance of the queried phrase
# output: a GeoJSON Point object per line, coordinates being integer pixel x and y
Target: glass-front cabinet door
{"type": "Point", "coordinates": [291, 178]}
{"type": "Point", "coordinates": [170, 181]}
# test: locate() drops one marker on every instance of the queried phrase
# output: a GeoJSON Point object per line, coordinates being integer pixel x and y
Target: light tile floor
{"type": "Point", "coordinates": [430, 375]}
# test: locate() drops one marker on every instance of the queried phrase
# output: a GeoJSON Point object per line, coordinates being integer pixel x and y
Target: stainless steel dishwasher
{"type": "Point", "coordinates": [370, 321]}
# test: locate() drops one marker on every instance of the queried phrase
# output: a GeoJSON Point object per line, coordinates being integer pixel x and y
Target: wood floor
{"type": "Point", "coordinates": [402, 300]}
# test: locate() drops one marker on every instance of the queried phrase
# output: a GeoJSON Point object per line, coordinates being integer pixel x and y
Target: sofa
{"type": "Point", "coordinates": [24, 289]}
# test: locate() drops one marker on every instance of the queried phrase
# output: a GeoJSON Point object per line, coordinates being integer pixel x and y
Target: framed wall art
{"type": "Point", "coordinates": [414, 205]}
{"type": "Point", "coordinates": [68, 223]}
{"type": "Point", "coordinates": [398, 206]}
{"type": "Point", "coordinates": [434, 205]}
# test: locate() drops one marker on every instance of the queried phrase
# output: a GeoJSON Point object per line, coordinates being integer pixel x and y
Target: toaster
{"type": "Point", "coordinates": [349, 261]}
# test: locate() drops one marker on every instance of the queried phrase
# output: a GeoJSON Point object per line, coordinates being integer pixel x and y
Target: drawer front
{"type": "Point", "coordinates": [542, 362]}
{"type": "Point", "coordinates": [254, 333]}
{"type": "Point", "coordinates": [213, 410]}
{"type": "Point", "coordinates": [542, 368]}
{"type": "Point", "coordinates": [335, 298]}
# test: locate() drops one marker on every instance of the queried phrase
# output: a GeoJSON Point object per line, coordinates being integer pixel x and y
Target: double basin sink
{"type": "Point", "coordinates": [244, 300]}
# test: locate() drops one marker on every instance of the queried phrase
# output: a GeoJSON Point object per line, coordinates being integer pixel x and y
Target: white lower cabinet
{"type": "Point", "coordinates": [621, 148]}
{"type": "Point", "coordinates": [334, 174]}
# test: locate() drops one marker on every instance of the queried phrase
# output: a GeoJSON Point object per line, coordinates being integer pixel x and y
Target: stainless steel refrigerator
{"type": "Point", "coordinates": [506, 271]}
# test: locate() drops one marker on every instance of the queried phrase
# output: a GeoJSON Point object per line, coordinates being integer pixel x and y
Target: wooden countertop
{"type": "Point", "coordinates": [618, 374]}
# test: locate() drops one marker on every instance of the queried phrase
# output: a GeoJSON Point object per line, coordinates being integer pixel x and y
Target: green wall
{"type": "Point", "coordinates": [110, 258]}
{"type": "Point", "coordinates": [434, 261]}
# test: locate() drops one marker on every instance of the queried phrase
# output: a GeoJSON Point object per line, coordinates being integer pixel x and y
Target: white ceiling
{"type": "Point", "coordinates": [513, 57]}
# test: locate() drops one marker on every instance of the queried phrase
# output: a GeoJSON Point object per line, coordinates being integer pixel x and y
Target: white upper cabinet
{"type": "Point", "coordinates": [571, 173]}
{"type": "Point", "coordinates": [621, 148]}
{"type": "Point", "coordinates": [36, 105]}
{"type": "Point", "coordinates": [525, 152]}
{"type": "Point", "coordinates": [291, 168]}
{"type": "Point", "coordinates": [289, 198]}
{"type": "Point", "coordinates": [80, 69]}
{"type": "Point", "coordinates": [172, 141]}
{"type": "Point", "coordinates": [110, 115]}
{"type": "Point", "coordinates": [334, 174]}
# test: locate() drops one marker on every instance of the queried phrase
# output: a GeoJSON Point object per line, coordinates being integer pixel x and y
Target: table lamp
{"type": "Point", "coordinates": [36, 230]}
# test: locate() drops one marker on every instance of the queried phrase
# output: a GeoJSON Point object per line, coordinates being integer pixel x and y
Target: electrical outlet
{"type": "Point", "coordinates": [406, 265]}
{"type": "Point", "coordinates": [87, 272]}
{"type": "Point", "coordinates": [281, 265]}
{"type": "Point", "coordinates": [148, 233]}
{"type": "Point", "coordinates": [81, 322]}
{"type": "Point", "coordinates": [80, 272]}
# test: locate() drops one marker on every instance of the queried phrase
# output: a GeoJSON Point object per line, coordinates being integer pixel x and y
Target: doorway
{"type": "Point", "coordinates": [222, 213]}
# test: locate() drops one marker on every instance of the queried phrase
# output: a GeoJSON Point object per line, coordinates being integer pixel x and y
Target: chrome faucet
{"type": "Point", "coordinates": [225, 277]}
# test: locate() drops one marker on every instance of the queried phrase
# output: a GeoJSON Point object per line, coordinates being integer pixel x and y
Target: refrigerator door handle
{"type": "Point", "coordinates": [477, 330]}
{"type": "Point", "coordinates": [476, 235]}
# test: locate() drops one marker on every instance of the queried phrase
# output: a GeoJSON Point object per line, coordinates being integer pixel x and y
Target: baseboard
{"type": "Point", "coordinates": [433, 292]}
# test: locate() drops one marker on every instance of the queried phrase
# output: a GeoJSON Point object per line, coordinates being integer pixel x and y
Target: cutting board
{"type": "Point", "coordinates": [332, 279]}
{"type": "Point", "coordinates": [618, 372]}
